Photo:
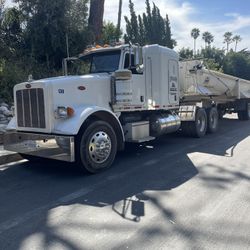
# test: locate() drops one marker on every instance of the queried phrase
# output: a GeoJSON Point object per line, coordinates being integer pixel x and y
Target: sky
{"type": "Point", "coordinates": [215, 16]}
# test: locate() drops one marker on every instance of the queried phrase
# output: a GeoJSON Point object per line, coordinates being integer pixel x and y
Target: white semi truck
{"type": "Point", "coordinates": [127, 94]}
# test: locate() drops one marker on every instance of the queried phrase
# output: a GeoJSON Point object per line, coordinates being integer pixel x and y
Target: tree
{"type": "Point", "coordinates": [237, 64]}
{"type": "Point", "coordinates": [11, 42]}
{"type": "Point", "coordinates": [131, 25]}
{"type": "Point", "coordinates": [96, 18]}
{"type": "Point", "coordinates": [109, 33]}
{"type": "Point", "coordinates": [208, 38]}
{"type": "Point", "coordinates": [149, 28]}
{"type": "Point", "coordinates": [46, 29]}
{"type": "Point", "coordinates": [236, 39]}
{"type": "Point", "coordinates": [2, 2]}
{"type": "Point", "coordinates": [228, 39]}
{"type": "Point", "coordinates": [186, 53]}
{"type": "Point", "coordinates": [213, 58]}
{"type": "Point", "coordinates": [195, 33]}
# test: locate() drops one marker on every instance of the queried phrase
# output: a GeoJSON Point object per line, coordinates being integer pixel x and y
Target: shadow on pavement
{"type": "Point", "coordinates": [159, 165]}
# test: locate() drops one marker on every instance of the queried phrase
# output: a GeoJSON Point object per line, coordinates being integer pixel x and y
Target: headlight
{"type": "Point", "coordinates": [64, 112]}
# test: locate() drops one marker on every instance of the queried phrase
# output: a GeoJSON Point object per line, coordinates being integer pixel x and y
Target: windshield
{"type": "Point", "coordinates": [101, 62]}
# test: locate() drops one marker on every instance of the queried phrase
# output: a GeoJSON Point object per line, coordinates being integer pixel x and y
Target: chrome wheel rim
{"type": "Point", "coordinates": [99, 147]}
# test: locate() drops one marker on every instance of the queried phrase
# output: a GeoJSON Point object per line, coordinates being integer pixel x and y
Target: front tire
{"type": "Point", "coordinates": [97, 147]}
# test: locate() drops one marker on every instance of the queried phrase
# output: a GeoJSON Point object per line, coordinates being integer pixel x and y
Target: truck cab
{"type": "Point", "coordinates": [115, 94]}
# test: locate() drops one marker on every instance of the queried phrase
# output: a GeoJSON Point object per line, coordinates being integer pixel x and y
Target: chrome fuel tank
{"type": "Point", "coordinates": [164, 124]}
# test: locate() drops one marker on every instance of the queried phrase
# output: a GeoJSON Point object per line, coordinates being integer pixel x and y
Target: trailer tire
{"type": "Point", "coordinates": [221, 113]}
{"type": "Point", "coordinates": [244, 115]}
{"type": "Point", "coordinates": [96, 147]}
{"type": "Point", "coordinates": [212, 120]}
{"type": "Point", "coordinates": [197, 128]}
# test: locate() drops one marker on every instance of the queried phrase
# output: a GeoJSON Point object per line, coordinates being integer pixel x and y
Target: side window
{"type": "Point", "coordinates": [133, 66]}
{"type": "Point", "coordinates": [126, 63]}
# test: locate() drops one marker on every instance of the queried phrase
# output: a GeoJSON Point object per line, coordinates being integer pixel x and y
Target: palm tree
{"type": "Point", "coordinates": [208, 38]}
{"type": "Point", "coordinates": [228, 39]}
{"type": "Point", "coordinates": [195, 34]}
{"type": "Point", "coordinates": [236, 39]}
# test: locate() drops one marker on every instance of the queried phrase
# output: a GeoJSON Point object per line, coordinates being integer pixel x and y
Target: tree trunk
{"type": "Point", "coordinates": [194, 47]}
{"type": "Point", "coordinates": [96, 18]}
{"type": "Point", "coordinates": [119, 18]}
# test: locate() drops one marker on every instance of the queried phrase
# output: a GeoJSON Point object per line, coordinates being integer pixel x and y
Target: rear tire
{"type": "Point", "coordinates": [212, 120]}
{"type": "Point", "coordinates": [96, 147]}
{"type": "Point", "coordinates": [244, 115]}
{"type": "Point", "coordinates": [197, 128]}
{"type": "Point", "coordinates": [221, 113]}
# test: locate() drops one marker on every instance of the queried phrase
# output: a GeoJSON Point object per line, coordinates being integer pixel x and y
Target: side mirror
{"type": "Point", "coordinates": [138, 55]}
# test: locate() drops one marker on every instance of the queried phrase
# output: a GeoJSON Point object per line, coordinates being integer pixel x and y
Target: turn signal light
{"type": "Point", "coordinates": [70, 111]}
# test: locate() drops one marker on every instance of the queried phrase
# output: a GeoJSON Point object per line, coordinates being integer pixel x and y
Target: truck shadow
{"type": "Point", "coordinates": [161, 165]}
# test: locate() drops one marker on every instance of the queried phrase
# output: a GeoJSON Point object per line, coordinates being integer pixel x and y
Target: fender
{"type": "Point", "coordinates": [71, 126]}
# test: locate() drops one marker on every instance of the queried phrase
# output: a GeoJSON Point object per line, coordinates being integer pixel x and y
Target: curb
{"type": "Point", "coordinates": [8, 157]}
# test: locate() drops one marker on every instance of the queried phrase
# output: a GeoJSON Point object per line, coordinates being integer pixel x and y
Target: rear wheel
{"type": "Point", "coordinates": [96, 147]}
{"type": "Point", "coordinates": [221, 113]}
{"type": "Point", "coordinates": [212, 120]}
{"type": "Point", "coordinates": [197, 128]}
{"type": "Point", "coordinates": [244, 115]}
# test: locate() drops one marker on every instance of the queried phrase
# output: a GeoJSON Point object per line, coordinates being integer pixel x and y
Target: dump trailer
{"type": "Point", "coordinates": [119, 94]}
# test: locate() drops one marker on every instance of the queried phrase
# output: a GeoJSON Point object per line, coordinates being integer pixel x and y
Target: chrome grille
{"type": "Point", "coordinates": [30, 108]}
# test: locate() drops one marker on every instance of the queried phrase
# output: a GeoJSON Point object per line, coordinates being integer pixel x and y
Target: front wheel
{"type": "Point", "coordinates": [97, 147]}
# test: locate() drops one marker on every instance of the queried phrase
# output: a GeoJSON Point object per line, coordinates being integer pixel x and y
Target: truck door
{"type": "Point", "coordinates": [138, 82]}
{"type": "Point", "coordinates": [173, 82]}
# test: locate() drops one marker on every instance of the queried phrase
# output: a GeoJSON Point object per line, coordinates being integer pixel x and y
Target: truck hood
{"type": "Point", "coordinates": [77, 92]}
{"type": "Point", "coordinates": [70, 79]}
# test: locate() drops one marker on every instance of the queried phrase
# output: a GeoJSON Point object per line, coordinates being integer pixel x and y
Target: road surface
{"type": "Point", "coordinates": [173, 193]}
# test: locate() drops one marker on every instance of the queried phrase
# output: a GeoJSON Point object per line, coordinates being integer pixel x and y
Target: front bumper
{"type": "Point", "coordinates": [42, 145]}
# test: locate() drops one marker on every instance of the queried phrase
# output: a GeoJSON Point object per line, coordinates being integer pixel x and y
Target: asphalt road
{"type": "Point", "coordinates": [173, 193]}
